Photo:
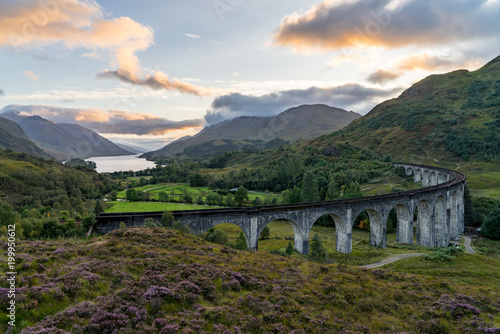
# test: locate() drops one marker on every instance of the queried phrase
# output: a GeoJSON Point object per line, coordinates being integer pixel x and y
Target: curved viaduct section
{"type": "Point", "coordinates": [440, 218]}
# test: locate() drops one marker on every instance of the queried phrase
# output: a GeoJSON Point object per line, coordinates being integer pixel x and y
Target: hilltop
{"type": "Point", "coordinates": [453, 116]}
{"type": "Point", "coordinates": [306, 121]}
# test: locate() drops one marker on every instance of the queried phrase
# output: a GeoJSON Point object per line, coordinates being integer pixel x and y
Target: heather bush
{"type": "Point", "coordinates": [157, 280]}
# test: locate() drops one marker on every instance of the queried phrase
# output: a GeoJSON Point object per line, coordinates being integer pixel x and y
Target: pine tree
{"type": "Point", "coordinates": [469, 212]}
{"type": "Point", "coordinates": [167, 218]}
{"type": "Point", "coordinates": [318, 252]}
{"type": "Point", "coordinates": [266, 232]}
{"type": "Point", "coordinates": [289, 249]}
{"type": "Point", "coordinates": [98, 208]}
{"type": "Point", "coordinates": [333, 191]}
{"type": "Point", "coordinates": [310, 188]}
{"type": "Point", "coordinates": [241, 242]}
{"type": "Point", "coordinates": [491, 226]}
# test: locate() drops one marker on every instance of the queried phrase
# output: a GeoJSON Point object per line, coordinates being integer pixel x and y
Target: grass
{"type": "Point", "coordinates": [490, 248]}
{"type": "Point", "coordinates": [282, 233]}
{"type": "Point", "coordinates": [119, 206]}
{"type": "Point", "coordinates": [471, 269]}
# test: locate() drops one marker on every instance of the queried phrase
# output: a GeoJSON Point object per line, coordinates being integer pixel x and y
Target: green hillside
{"type": "Point", "coordinates": [29, 182]}
{"type": "Point", "coordinates": [453, 116]}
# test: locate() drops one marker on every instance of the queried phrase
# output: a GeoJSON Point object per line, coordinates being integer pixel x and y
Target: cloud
{"type": "Point", "coordinates": [424, 61]}
{"type": "Point", "coordinates": [192, 36]}
{"type": "Point", "coordinates": [349, 96]}
{"type": "Point", "coordinates": [82, 24]}
{"type": "Point", "coordinates": [106, 121]}
{"type": "Point", "coordinates": [381, 76]}
{"type": "Point", "coordinates": [2, 93]}
{"type": "Point", "coordinates": [158, 80]}
{"type": "Point", "coordinates": [334, 25]}
{"type": "Point", "coordinates": [31, 75]}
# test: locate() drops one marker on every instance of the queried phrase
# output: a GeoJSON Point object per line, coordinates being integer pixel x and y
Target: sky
{"type": "Point", "coordinates": [149, 72]}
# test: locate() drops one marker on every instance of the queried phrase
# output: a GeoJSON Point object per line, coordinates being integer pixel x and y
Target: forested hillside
{"type": "Point", "coordinates": [454, 115]}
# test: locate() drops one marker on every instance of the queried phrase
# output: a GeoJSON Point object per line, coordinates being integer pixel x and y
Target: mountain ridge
{"type": "Point", "coordinates": [302, 122]}
{"type": "Point", "coordinates": [13, 137]}
{"type": "Point", "coordinates": [64, 141]}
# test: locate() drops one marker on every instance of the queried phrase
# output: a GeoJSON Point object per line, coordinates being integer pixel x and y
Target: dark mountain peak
{"type": "Point", "coordinates": [12, 136]}
{"type": "Point", "coordinates": [64, 141]}
{"type": "Point", "coordinates": [302, 122]}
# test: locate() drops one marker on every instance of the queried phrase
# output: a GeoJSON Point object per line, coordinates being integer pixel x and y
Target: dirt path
{"type": "Point", "coordinates": [467, 241]}
{"type": "Point", "coordinates": [390, 259]}
{"type": "Point", "coordinates": [152, 188]}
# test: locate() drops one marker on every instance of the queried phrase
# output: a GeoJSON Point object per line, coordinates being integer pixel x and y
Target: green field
{"type": "Point", "coordinates": [178, 189]}
{"type": "Point", "coordinates": [119, 206]}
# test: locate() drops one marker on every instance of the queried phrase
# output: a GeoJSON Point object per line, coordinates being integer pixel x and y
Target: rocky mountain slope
{"type": "Point", "coordinates": [12, 136]}
{"type": "Point", "coordinates": [306, 121]}
{"type": "Point", "coordinates": [64, 141]}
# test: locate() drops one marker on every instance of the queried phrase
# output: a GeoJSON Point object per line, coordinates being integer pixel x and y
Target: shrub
{"type": "Point", "coordinates": [50, 228]}
{"type": "Point", "coordinates": [176, 225]}
{"type": "Point", "coordinates": [149, 222]}
{"type": "Point", "coordinates": [216, 236]}
{"type": "Point", "coordinates": [278, 252]}
{"type": "Point", "coordinates": [289, 249]}
{"type": "Point", "coordinates": [167, 218]}
{"type": "Point", "coordinates": [266, 232]}
{"type": "Point", "coordinates": [443, 255]}
{"type": "Point", "coordinates": [123, 225]}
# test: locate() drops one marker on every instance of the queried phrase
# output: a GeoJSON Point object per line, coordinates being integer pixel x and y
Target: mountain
{"type": "Point", "coordinates": [131, 148]}
{"type": "Point", "coordinates": [306, 121]}
{"type": "Point", "coordinates": [452, 116]}
{"type": "Point", "coordinates": [12, 136]}
{"type": "Point", "coordinates": [64, 141]}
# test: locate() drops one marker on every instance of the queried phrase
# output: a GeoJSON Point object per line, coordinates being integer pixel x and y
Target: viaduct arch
{"type": "Point", "coordinates": [440, 205]}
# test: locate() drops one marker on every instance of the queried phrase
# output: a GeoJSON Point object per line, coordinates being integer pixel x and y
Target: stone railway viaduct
{"type": "Point", "coordinates": [440, 219]}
